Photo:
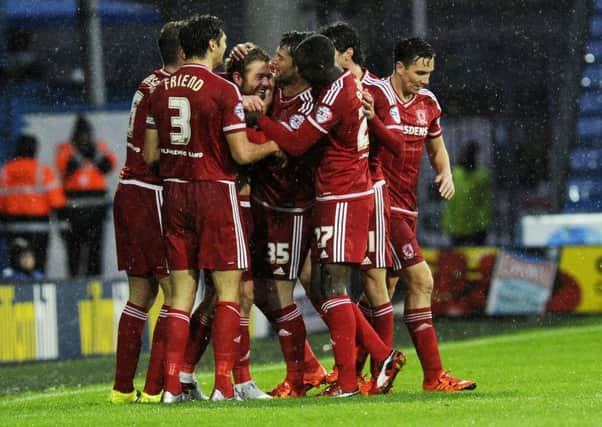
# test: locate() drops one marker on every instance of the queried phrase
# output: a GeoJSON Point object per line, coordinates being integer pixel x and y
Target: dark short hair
{"type": "Point", "coordinates": [407, 51]}
{"type": "Point", "coordinates": [26, 146]}
{"type": "Point", "coordinates": [196, 33]}
{"type": "Point", "coordinates": [344, 36]}
{"type": "Point", "coordinates": [291, 39]}
{"type": "Point", "coordinates": [313, 56]}
{"type": "Point", "coordinates": [169, 42]}
{"type": "Point", "coordinates": [240, 66]}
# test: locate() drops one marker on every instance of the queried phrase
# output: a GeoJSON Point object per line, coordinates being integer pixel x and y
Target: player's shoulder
{"type": "Point", "coordinates": [340, 90]}
{"type": "Point", "coordinates": [380, 88]}
{"type": "Point", "coordinates": [427, 96]}
{"type": "Point", "coordinates": [153, 79]}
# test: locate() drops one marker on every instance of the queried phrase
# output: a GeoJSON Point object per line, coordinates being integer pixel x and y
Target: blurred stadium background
{"type": "Point", "coordinates": [524, 78]}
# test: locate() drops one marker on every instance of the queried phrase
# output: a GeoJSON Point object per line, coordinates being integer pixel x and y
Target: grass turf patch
{"type": "Point", "coordinates": [526, 376]}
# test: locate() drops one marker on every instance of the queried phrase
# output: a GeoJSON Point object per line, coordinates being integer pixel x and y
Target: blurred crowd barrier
{"type": "Point", "coordinates": [77, 318]}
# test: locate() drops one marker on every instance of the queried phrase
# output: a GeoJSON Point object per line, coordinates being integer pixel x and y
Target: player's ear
{"type": "Point", "coordinates": [349, 54]}
{"type": "Point", "coordinates": [237, 78]}
{"type": "Point", "coordinates": [399, 67]}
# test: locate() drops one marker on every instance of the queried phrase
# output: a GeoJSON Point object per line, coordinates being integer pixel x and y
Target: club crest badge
{"type": "Point", "coordinates": [239, 111]}
{"type": "Point", "coordinates": [323, 114]}
{"type": "Point", "coordinates": [421, 117]}
{"type": "Point", "coordinates": [408, 251]}
{"type": "Point", "coordinates": [394, 113]}
{"type": "Point", "coordinates": [296, 121]}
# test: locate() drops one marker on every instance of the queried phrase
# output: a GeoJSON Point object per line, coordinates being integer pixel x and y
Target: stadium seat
{"type": "Point", "coordinates": [591, 102]}
{"type": "Point", "coordinates": [584, 194]}
{"type": "Point", "coordinates": [595, 48]}
{"type": "Point", "coordinates": [589, 126]}
{"type": "Point", "coordinates": [586, 161]}
{"type": "Point", "coordinates": [594, 73]}
{"type": "Point", "coordinates": [596, 26]}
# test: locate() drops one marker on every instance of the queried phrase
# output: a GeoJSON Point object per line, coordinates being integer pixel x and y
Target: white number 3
{"type": "Point", "coordinates": [181, 121]}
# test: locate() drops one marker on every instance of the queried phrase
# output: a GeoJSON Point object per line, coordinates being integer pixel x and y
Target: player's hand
{"type": "Point", "coordinates": [368, 104]}
{"type": "Point", "coordinates": [252, 103]}
{"type": "Point", "coordinates": [446, 185]}
{"type": "Point", "coordinates": [283, 158]}
{"type": "Point", "coordinates": [267, 100]}
{"type": "Point", "coordinates": [239, 51]}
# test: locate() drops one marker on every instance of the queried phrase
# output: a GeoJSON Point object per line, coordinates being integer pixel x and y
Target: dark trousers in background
{"type": "Point", "coordinates": [83, 239]}
{"type": "Point", "coordinates": [476, 239]}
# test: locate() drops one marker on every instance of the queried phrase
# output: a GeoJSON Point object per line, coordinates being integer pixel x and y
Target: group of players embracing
{"type": "Point", "coordinates": [297, 168]}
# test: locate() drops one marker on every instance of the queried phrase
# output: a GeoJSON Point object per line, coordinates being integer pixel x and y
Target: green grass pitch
{"type": "Point", "coordinates": [544, 375]}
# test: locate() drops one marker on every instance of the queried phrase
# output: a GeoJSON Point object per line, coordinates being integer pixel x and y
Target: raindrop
{"type": "Point", "coordinates": [574, 193]}
{"type": "Point", "coordinates": [586, 82]}
{"type": "Point", "coordinates": [590, 58]}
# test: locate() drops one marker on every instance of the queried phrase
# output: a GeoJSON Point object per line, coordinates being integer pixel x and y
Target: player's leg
{"type": "Point", "coordinates": [183, 287]}
{"type": "Point", "coordinates": [292, 336]}
{"type": "Point", "coordinates": [328, 289]}
{"type": "Point", "coordinates": [315, 374]}
{"type": "Point", "coordinates": [226, 330]}
{"type": "Point", "coordinates": [153, 384]}
{"type": "Point", "coordinates": [379, 310]}
{"type": "Point", "coordinates": [142, 293]}
{"type": "Point", "coordinates": [198, 340]}
{"type": "Point", "coordinates": [414, 272]}
{"type": "Point", "coordinates": [244, 386]}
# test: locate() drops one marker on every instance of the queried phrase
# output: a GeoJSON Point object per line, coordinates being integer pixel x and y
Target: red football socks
{"type": "Point", "coordinates": [200, 334]}
{"type": "Point", "coordinates": [154, 374]}
{"type": "Point", "coordinates": [419, 322]}
{"type": "Point", "coordinates": [242, 372]}
{"type": "Point", "coordinates": [226, 340]}
{"type": "Point", "coordinates": [129, 342]}
{"type": "Point", "coordinates": [291, 333]}
{"type": "Point", "coordinates": [338, 313]}
{"type": "Point", "coordinates": [177, 330]}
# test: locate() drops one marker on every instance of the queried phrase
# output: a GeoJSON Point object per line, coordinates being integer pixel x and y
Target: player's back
{"type": "Point", "coordinates": [135, 166]}
{"type": "Point", "coordinates": [344, 166]}
{"type": "Point", "coordinates": [418, 119]}
{"type": "Point", "coordinates": [193, 110]}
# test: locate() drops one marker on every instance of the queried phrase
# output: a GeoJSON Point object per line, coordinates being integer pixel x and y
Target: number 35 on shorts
{"type": "Point", "coordinates": [278, 253]}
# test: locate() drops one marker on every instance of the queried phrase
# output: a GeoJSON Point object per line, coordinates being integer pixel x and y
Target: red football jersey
{"type": "Point", "coordinates": [343, 170]}
{"type": "Point", "coordinates": [381, 108]}
{"type": "Point", "coordinates": [418, 120]}
{"type": "Point", "coordinates": [291, 185]}
{"type": "Point", "coordinates": [193, 110]}
{"type": "Point", "coordinates": [135, 167]}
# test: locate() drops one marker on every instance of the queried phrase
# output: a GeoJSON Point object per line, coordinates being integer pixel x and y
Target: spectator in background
{"type": "Point", "coordinates": [22, 259]}
{"type": "Point", "coordinates": [466, 217]}
{"type": "Point", "coordinates": [29, 192]}
{"type": "Point", "coordinates": [83, 163]}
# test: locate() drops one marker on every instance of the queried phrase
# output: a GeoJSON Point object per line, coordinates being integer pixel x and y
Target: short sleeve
{"type": "Point", "coordinates": [233, 119]}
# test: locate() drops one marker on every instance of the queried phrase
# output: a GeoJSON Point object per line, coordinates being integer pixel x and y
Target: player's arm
{"type": "Point", "coordinates": [296, 142]}
{"type": "Point", "coordinates": [439, 159]}
{"type": "Point", "coordinates": [244, 152]}
{"type": "Point", "coordinates": [391, 140]}
{"type": "Point", "coordinates": [151, 151]}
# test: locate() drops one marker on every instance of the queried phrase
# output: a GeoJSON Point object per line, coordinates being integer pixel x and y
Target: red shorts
{"type": "Point", "coordinates": [138, 230]}
{"type": "Point", "coordinates": [281, 241]}
{"type": "Point", "coordinates": [247, 222]}
{"type": "Point", "coordinates": [341, 230]}
{"type": "Point", "coordinates": [379, 246]}
{"type": "Point", "coordinates": [404, 246]}
{"type": "Point", "coordinates": [203, 228]}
